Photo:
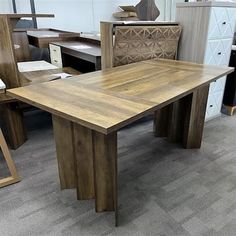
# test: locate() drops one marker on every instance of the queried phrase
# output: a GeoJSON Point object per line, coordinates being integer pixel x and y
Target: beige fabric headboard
{"type": "Point", "coordinates": [138, 43]}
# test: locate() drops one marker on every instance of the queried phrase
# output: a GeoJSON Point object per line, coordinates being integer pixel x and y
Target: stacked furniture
{"type": "Point", "coordinates": [16, 71]}
{"type": "Point", "coordinates": [208, 30]}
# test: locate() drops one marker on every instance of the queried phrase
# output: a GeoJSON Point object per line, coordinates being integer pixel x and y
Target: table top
{"type": "Point", "coordinates": [108, 100]}
{"type": "Point", "coordinates": [82, 47]}
{"type": "Point", "coordinates": [40, 76]}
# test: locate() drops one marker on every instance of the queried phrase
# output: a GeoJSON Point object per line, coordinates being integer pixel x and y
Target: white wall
{"type": "Point", "coordinates": [81, 15]}
{"type": "Point", "coordinates": [5, 6]}
{"type": "Point", "coordinates": [84, 15]}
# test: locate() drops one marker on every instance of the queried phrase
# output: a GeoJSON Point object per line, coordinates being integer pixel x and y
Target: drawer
{"type": "Point", "coordinates": [214, 105]}
{"type": "Point", "coordinates": [54, 50]}
{"type": "Point", "coordinates": [222, 23]}
{"type": "Point", "coordinates": [218, 52]}
{"type": "Point", "coordinates": [218, 85]}
{"type": "Point", "coordinates": [55, 55]}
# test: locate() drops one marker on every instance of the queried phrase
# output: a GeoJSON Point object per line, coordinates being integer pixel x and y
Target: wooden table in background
{"type": "Point", "coordinates": [42, 37]}
{"type": "Point", "coordinates": [82, 50]}
{"type": "Point", "coordinates": [89, 109]}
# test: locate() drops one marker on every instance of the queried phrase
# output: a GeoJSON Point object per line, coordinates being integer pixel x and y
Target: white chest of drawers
{"type": "Point", "coordinates": [208, 30]}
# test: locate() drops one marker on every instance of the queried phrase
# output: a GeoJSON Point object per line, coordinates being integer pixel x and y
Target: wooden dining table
{"type": "Point", "coordinates": [88, 110]}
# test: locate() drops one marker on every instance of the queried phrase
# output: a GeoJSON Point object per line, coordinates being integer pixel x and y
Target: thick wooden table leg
{"type": "Point", "coordinates": [74, 144]}
{"type": "Point", "coordinates": [63, 134]}
{"type": "Point", "coordinates": [195, 110]}
{"type": "Point", "coordinates": [176, 122]}
{"type": "Point", "coordinates": [83, 146]}
{"type": "Point", "coordinates": [105, 166]}
{"type": "Point", "coordinates": [13, 118]}
{"type": "Point", "coordinates": [161, 121]}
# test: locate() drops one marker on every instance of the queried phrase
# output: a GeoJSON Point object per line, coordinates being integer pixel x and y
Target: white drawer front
{"type": "Point", "coordinates": [218, 85]}
{"type": "Point", "coordinates": [214, 105]}
{"type": "Point", "coordinates": [222, 23]}
{"type": "Point", "coordinates": [218, 52]}
{"type": "Point", "coordinates": [55, 55]}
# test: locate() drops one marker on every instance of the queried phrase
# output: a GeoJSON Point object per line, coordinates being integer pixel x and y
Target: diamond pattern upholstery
{"type": "Point", "coordinates": [138, 43]}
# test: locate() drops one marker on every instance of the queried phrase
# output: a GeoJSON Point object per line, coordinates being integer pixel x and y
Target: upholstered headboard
{"type": "Point", "coordinates": [138, 43]}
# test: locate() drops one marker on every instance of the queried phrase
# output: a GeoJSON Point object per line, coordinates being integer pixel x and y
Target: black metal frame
{"type": "Point", "coordinates": [32, 6]}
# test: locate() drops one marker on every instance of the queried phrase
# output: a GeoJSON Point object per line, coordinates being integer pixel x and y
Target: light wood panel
{"type": "Point", "coordinates": [14, 178]}
{"type": "Point", "coordinates": [63, 134]}
{"type": "Point", "coordinates": [105, 172]}
{"type": "Point", "coordinates": [106, 101]}
{"type": "Point", "coordinates": [21, 46]}
{"type": "Point", "coordinates": [83, 150]}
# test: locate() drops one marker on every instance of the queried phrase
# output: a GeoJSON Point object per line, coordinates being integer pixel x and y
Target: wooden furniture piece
{"type": "Point", "coordinates": [84, 54]}
{"type": "Point", "coordinates": [208, 30]}
{"type": "Point", "coordinates": [127, 13]}
{"type": "Point", "coordinates": [14, 178]}
{"type": "Point", "coordinates": [138, 41]}
{"type": "Point", "coordinates": [14, 48]}
{"type": "Point", "coordinates": [147, 10]}
{"type": "Point", "coordinates": [42, 37]}
{"type": "Point", "coordinates": [89, 110]}
{"type": "Point", "coordinates": [229, 99]}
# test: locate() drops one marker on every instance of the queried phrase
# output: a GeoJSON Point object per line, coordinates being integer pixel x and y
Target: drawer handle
{"type": "Point", "coordinates": [211, 105]}
{"type": "Point", "coordinates": [224, 23]}
{"type": "Point", "coordinates": [54, 50]}
{"type": "Point", "coordinates": [55, 61]}
{"type": "Point", "coordinates": [219, 53]}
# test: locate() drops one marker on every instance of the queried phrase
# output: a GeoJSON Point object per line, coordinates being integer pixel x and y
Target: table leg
{"type": "Point", "coordinates": [166, 122]}
{"type": "Point", "coordinates": [75, 157]}
{"type": "Point", "coordinates": [83, 146]}
{"type": "Point", "coordinates": [105, 170]}
{"type": "Point", "coordinates": [184, 119]}
{"type": "Point", "coordinates": [195, 110]}
{"type": "Point", "coordinates": [63, 134]}
{"type": "Point", "coordinates": [176, 124]}
{"type": "Point", "coordinates": [161, 121]}
{"type": "Point", "coordinates": [13, 117]}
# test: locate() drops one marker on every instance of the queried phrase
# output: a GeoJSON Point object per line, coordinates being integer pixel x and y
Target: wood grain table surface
{"type": "Point", "coordinates": [89, 109]}
{"type": "Point", "coordinates": [108, 100]}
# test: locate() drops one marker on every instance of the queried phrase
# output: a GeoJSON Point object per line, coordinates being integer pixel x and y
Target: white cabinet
{"type": "Point", "coordinates": [208, 30]}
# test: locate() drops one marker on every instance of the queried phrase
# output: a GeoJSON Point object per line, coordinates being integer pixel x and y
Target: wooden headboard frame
{"type": "Point", "coordinates": [115, 35]}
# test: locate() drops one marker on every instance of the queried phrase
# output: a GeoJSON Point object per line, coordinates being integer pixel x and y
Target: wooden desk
{"type": "Point", "coordinates": [89, 109]}
{"type": "Point", "coordinates": [89, 51]}
{"type": "Point", "coordinates": [42, 37]}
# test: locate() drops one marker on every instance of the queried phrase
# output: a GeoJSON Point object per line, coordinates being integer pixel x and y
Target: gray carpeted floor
{"type": "Point", "coordinates": [163, 189]}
